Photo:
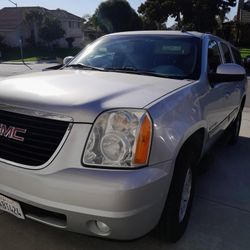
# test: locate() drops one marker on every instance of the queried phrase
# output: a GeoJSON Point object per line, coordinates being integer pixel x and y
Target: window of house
{"type": "Point", "coordinates": [226, 53]}
{"type": "Point", "coordinates": [214, 56]}
{"type": "Point", "coordinates": [70, 24]}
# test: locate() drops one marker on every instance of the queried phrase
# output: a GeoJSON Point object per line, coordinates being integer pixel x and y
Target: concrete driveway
{"type": "Point", "coordinates": [220, 217]}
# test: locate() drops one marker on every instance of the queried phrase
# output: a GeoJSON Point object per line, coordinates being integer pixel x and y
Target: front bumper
{"type": "Point", "coordinates": [129, 202]}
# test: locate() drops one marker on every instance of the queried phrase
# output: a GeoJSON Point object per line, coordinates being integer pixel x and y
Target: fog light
{"type": "Point", "coordinates": [104, 228]}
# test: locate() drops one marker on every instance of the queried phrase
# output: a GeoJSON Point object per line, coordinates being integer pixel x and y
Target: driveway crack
{"type": "Point", "coordinates": [222, 204]}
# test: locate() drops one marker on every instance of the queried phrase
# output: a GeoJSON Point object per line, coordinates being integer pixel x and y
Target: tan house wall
{"type": "Point", "coordinates": [70, 23]}
{"type": "Point", "coordinates": [11, 38]}
{"type": "Point", "coordinates": [243, 16]}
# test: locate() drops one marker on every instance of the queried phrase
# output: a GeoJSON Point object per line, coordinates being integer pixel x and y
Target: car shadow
{"type": "Point", "coordinates": [239, 151]}
{"type": "Point", "coordinates": [227, 175]}
{"type": "Point", "coordinates": [224, 186]}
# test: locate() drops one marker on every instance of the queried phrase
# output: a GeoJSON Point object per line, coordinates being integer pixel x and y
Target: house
{"type": "Point", "coordinates": [14, 27]}
{"type": "Point", "coordinates": [243, 15]}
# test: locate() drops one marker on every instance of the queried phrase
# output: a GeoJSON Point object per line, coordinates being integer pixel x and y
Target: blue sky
{"type": "Point", "coordinates": [77, 7]}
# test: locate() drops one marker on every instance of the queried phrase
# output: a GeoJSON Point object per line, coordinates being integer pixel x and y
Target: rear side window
{"type": "Point", "coordinates": [237, 56]}
{"type": "Point", "coordinates": [226, 53]}
{"type": "Point", "coordinates": [214, 56]}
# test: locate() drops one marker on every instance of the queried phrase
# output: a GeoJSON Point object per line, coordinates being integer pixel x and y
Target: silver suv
{"type": "Point", "coordinates": [109, 145]}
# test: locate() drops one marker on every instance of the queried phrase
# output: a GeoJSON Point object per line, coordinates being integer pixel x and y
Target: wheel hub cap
{"type": "Point", "coordinates": [186, 192]}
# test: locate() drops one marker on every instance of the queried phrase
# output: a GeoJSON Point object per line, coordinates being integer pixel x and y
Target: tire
{"type": "Point", "coordinates": [176, 215]}
{"type": "Point", "coordinates": [234, 129]}
{"type": "Point", "coordinates": [207, 160]}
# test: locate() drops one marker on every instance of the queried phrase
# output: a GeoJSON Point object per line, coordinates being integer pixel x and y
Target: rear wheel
{"type": "Point", "coordinates": [177, 209]}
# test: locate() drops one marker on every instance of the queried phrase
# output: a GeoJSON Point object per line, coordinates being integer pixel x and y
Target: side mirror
{"type": "Point", "coordinates": [67, 59]}
{"type": "Point", "coordinates": [228, 72]}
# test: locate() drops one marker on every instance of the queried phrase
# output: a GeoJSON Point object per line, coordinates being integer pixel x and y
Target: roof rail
{"type": "Point", "coordinates": [183, 29]}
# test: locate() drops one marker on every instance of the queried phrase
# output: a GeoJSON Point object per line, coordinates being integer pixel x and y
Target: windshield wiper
{"type": "Point", "coordinates": [128, 70]}
{"type": "Point", "coordinates": [132, 70]}
{"type": "Point", "coordinates": [84, 66]}
{"type": "Point", "coordinates": [123, 69]}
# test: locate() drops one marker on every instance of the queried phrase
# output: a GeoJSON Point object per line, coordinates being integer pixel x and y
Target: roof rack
{"type": "Point", "coordinates": [183, 29]}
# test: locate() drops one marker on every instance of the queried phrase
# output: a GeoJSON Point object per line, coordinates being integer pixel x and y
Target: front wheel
{"type": "Point", "coordinates": [177, 209]}
{"type": "Point", "coordinates": [234, 129]}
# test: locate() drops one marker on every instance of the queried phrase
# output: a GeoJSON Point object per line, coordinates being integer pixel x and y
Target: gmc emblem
{"type": "Point", "coordinates": [12, 132]}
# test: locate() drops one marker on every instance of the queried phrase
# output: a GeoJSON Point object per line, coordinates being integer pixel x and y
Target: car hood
{"type": "Point", "coordinates": [83, 94]}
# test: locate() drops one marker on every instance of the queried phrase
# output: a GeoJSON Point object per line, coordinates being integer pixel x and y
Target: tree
{"type": "Point", "coordinates": [201, 15]}
{"type": "Point", "coordinates": [246, 6]}
{"type": "Point", "coordinates": [43, 25]}
{"type": "Point", "coordinates": [193, 14]}
{"type": "Point", "coordinates": [3, 46]}
{"type": "Point", "coordinates": [86, 21]}
{"type": "Point", "coordinates": [204, 14]}
{"type": "Point", "coordinates": [1, 40]}
{"type": "Point", "coordinates": [148, 24]}
{"type": "Point", "coordinates": [51, 30]}
{"type": "Point", "coordinates": [34, 18]}
{"type": "Point", "coordinates": [70, 41]}
{"type": "Point", "coordinates": [158, 11]}
{"type": "Point", "coordinates": [116, 15]}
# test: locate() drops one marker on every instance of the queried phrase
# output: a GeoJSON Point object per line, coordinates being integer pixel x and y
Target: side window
{"type": "Point", "coordinates": [226, 53]}
{"type": "Point", "coordinates": [214, 56]}
{"type": "Point", "coordinates": [237, 56]}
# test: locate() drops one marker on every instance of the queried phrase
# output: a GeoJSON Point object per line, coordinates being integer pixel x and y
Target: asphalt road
{"type": "Point", "coordinates": [220, 218]}
{"type": "Point", "coordinates": [10, 69]}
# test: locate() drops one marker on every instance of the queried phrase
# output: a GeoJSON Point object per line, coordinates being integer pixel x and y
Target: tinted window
{"type": "Point", "coordinates": [166, 56]}
{"type": "Point", "coordinates": [226, 53]}
{"type": "Point", "coordinates": [237, 56]}
{"type": "Point", "coordinates": [214, 57]}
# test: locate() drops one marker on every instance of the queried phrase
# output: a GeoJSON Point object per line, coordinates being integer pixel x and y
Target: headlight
{"type": "Point", "coordinates": [119, 138]}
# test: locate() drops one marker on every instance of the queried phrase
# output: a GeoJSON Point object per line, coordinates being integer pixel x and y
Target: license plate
{"type": "Point", "coordinates": [11, 207]}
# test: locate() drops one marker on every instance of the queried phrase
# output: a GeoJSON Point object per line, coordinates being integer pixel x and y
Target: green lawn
{"type": "Point", "coordinates": [244, 52]}
{"type": "Point", "coordinates": [28, 59]}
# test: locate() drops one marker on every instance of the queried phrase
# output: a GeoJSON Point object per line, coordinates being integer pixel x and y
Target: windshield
{"type": "Point", "coordinates": [156, 55]}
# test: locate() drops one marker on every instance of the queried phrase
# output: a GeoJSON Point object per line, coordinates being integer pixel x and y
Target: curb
{"type": "Point", "coordinates": [17, 63]}
{"type": "Point", "coordinates": [28, 63]}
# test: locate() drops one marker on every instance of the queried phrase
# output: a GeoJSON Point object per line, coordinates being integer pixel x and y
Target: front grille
{"type": "Point", "coordinates": [40, 141]}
